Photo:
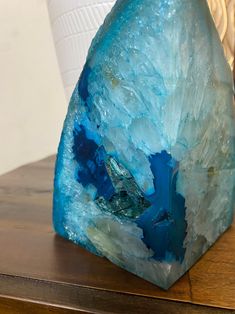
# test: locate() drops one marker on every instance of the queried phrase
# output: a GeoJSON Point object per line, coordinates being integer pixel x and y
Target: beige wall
{"type": "Point", "coordinates": [32, 102]}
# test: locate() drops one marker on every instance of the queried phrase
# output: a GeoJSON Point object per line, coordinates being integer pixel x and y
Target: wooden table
{"type": "Point", "coordinates": [43, 273]}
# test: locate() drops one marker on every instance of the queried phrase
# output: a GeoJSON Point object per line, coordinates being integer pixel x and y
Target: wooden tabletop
{"type": "Point", "coordinates": [43, 273]}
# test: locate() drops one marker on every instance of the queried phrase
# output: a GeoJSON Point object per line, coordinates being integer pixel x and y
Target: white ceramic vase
{"type": "Point", "coordinates": [74, 24]}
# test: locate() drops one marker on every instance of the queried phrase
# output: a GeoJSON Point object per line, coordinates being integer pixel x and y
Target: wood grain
{"type": "Point", "coordinates": [223, 12]}
{"type": "Point", "coordinates": [40, 267]}
{"type": "Point", "coordinates": [16, 306]}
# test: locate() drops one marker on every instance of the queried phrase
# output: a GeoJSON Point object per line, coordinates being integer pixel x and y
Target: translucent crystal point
{"type": "Point", "coordinates": [145, 168]}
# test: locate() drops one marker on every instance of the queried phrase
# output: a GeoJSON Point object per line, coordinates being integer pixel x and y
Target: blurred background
{"type": "Point", "coordinates": [35, 87]}
{"type": "Point", "coordinates": [32, 101]}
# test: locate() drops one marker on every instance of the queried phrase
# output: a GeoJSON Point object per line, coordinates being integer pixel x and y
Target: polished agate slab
{"type": "Point", "coordinates": [145, 168]}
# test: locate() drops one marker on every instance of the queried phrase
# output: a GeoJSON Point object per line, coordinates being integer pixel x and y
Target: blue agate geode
{"type": "Point", "coordinates": [145, 168]}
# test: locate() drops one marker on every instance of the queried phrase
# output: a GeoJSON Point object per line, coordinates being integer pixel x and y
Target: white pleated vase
{"type": "Point", "coordinates": [74, 24]}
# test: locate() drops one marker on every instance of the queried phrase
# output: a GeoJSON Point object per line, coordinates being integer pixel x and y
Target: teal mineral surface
{"type": "Point", "coordinates": [145, 168]}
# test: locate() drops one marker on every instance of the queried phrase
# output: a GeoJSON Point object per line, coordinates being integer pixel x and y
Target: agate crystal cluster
{"type": "Point", "coordinates": [145, 168]}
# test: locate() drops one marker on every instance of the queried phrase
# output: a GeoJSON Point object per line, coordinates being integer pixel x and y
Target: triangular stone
{"type": "Point", "coordinates": [145, 169]}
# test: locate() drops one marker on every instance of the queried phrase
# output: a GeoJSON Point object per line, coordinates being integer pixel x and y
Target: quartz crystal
{"type": "Point", "coordinates": [145, 170]}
